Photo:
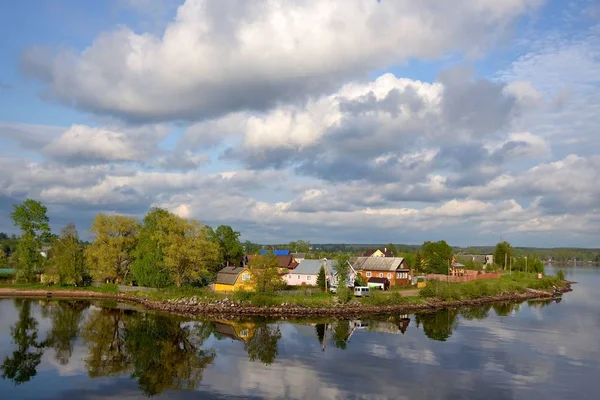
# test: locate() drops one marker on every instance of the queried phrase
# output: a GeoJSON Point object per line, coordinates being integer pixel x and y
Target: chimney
{"type": "Point", "coordinates": [385, 249]}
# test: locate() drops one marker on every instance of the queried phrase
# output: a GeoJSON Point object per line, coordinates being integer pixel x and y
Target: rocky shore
{"type": "Point", "coordinates": [194, 307]}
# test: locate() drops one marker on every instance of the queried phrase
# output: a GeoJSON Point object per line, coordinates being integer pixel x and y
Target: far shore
{"type": "Point", "coordinates": [231, 309]}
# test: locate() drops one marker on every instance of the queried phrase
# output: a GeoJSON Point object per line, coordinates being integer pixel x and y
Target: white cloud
{"type": "Point", "coordinates": [217, 57]}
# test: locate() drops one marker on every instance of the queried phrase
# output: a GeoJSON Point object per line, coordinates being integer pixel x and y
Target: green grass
{"type": "Point", "coordinates": [515, 283]}
{"type": "Point", "coordinates": [380, 298]}
{"type": "Point", "coordinates": [107, 288]}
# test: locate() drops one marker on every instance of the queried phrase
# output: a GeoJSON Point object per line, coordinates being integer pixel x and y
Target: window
{"type": "Point", "coordinates": [397, 275]}
{"type": "Point", "coordinates": [308, 278]}
{"type": "Point", "coordinates": [381, 274]}
{"type": "Point", "coordinates": [289, 276]}
{"type": "Point", "coordinates": [244, 333]}
{"type": "Point", "coordinates": [389, 276]}
{"type": "Point", "coordinates": [298, 276]}
{"type": "Point", "coordinates": [368, 274]}
{"type": "Point", "coordinates": [245, 277]}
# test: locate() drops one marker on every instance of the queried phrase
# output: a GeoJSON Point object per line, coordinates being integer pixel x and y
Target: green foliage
{"type": "Point", "coordinates": [148, 267]}
{"type": "Point", "coordinates": [560, 274]}
{"type": "Point", "coordinates": [528, 264]}
{"type": "Point", "coordinates": [438, 325]}
{"type": "Point", "coordinates": [3, 259]}
{"type": "Point", "coordinates": [342, 268]}
{"type": "Point", "coordinates": [321, 279]}
{"type": "Point", "coordinates": [503, 253]}
{"type": "Point", "coordinates": [251, 248]}
{"type": "Point", "coordinates": [67, 257]}
{"type": "Point", "coordinates": [381, 298]}
{"type": "Point", "coordinates": [360, 280]}
{"type": "Point", "coordinates": [231, 250]}
{"type": "Point", "coordinates": [30, 216]}
{"type": "Point", "coordinates": [299, 246]}
{"type": "Point", "coordinates": [110, 256]}
{"type": "Point", "coordinates": [344, 294]}
{"type": "Point", "coordinates": [263, 345]}
{"type": "Point", "coordinates": [265, 273]}
{"type": "Point", "coordinates": [436, 257]}
{"type": "Point", "coordinates": [392, 247]}
{"type": "Point", "coordinates": [418, 266]}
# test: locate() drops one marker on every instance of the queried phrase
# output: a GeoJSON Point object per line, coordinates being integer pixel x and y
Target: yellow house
{"type": "Point", "coordinates": [237, 330]}
{"type": "Point", "coordinates": [233, 278]}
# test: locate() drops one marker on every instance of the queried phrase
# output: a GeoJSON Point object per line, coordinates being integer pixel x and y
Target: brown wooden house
{"type": "Point", "coordinates": [395, 269]}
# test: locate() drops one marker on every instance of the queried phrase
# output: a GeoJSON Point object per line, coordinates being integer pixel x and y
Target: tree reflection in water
{"type": "Point", "coordinates": [21, 366]}
{"type": "Point", "coordinates": [438, 325]}
{"type": "Point", "coordinates": [160, 352]}
{"type": "Point", "coordinates": [263, 345]}
{"type": "Point", "coordinates": [66, 317]}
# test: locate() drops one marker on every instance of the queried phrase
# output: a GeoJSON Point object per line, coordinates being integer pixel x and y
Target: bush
{"type": "Point", "coordinates": [560, 275]}
{"type": "Point", "coordinates": [242, 295]}
{"type": "Point", "coordinates": [263, 300]}
{"type": "Point", "coordinates": [344, 294]}
{"type": "Point", "coordinates": [379, 298]}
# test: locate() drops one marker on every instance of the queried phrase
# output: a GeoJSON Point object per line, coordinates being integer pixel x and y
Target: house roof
{"type": "Point", "coordinates": [276, 252]}
{"type": "Point", "coordinates": [299, 255]}
{"type": "Point", "coordinates": [227, 330]}
{"type": "Point", "coordinates": [386, 252]}
{"type": "Point", "coordinates": [228, 275]}
{"type": "Point", "coordinates": [480, 258]}
{"type": "Point", "coordinates": [308, 267]}
{"type": "Point", "coordinates": [458, 265]}
{"type": "Point", "coordinates": [378, 263]}
{"type": "Point", "coordinates": [285, 261]}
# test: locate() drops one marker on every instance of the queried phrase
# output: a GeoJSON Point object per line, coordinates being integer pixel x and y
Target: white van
{"type": "Point", "coordinates": [362, 291]}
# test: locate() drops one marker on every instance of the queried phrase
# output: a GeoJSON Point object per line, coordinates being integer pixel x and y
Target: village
{"type": "Point", "coordinates": [376, 268]}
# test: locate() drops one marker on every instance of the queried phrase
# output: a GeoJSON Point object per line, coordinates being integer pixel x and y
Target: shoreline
{"type": "Point", "coordinates": [230, 309]}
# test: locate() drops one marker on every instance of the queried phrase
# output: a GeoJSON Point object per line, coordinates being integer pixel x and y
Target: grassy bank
{"type": "Point", "coordinates": [516, 283]}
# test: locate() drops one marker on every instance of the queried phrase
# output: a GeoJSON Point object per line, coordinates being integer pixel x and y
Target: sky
{"type": "Point", "coordinates": [354, 121]}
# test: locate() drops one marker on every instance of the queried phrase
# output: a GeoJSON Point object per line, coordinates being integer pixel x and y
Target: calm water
{"type": "Point", "coordinates": [83, 350]}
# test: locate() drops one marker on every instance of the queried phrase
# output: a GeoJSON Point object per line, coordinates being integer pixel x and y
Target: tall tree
{"type": "Point", "coordinates": [321, 279]}
{"type": "Point", "coordinates": [392, 247]}
{"type": "Point", "coordinates": [436, 256]}
{"type": "Point", "coordinates": [67, 257]}
{"type": "Point", "coordinates": [228, 241]}
{"type": "Point", "coordinates": [148, 267]}
{"type": "Point", "coordinates": [110, 255]}
{"type": "Point", "coordinates": [188, 251]}
{"type": "Point", "coordinates": [342, 270]}
{"type": "Point", "coordinates": [263, 345]}
{"type": "Point", "coordinates": [302, 246]}
{"type": "Point", "coordinates": [251, 248]}
{"type": "Point", "coordinates": [21, 366]}
{"type": "Point", "coordinates": [30, 216]}
{"type": "Point", "coordinates": [503, 253]}
{"type": "Point", "coordinates": [3, 259]}
{"type": "Point", "coordinates": [265, 273]}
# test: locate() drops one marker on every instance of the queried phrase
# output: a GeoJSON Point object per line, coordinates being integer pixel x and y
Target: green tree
{"type": "Point", "coordinates": [418, 262]}
{"type": "Point", "coordinates": [341, 334]}
{"type": "Point", "coordinates": [302, 246]}
{"type": "Point", "coordinates": [392, 248]}
{"type": "Point", "coordinates": [67, 257]}
{"type": "Point", "coordinates": [264, 272]}
{"type": "Point", "coordinates": [148, 267]}
{"type": "Point", "coordinates": [251, 248]}
{"type": "Point", "coordinates": [503, 253]}
{"type": "Point", "coordinates": [263, 345]}
{"type": "Point", "coordinates": [111, 254]}
{"type": "Point", "coordinates": [360, 280]}
{"type": "Point", "coordinates": [3, 259]}
{"type": "Point", "coordinates": [436, 256]}
{"type": "Point", "coordinates": [342, 270]}
{"type": "Point", "coordinates": [231, 249]}
{"type": "Point", "coordinates": [22, 365]}
{"type": "Point", "coordinates": [188, 251]}
{"type": "Point", "coordinates": [30, 216]}
{"type": "Point", "coordinates": [321, 279]}
{"type": "Point", "coordinates": [66, 317]}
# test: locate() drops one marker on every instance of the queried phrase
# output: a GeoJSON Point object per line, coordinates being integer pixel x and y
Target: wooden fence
{"type": "Point", "coordinates": [464, 278]}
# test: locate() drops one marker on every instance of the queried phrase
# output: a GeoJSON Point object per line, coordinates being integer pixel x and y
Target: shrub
{"type": "Point", "coordinates": [242, 295]}
{"type": "Point", "coordinates": [344, 294]}
{"type": "Point", "coordinates": [560, 275]}
{"type": "Point", "coordinates": [379, 298]}
{"type": "Point", "coordinates": [263, 300]}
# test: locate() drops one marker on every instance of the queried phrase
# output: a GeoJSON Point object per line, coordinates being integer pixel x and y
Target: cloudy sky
{"type": "Point", "coordinates": [333, 121]}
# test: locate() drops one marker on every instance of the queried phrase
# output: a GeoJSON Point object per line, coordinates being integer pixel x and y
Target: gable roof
{"type": "Point", "coordinates": [386, 252]}
{"type": "Point", "coordinates": [285, 261]}
{"type": "Point", "coordinates": [308, 267]}
{"type": "Point", "coordinates": [480, 258]}
{"type": "Point", "coordinates": [299, 255]}
{"type": "Point", "coordinates": [378, 263]}
{"type": "Point", "coordinates": [228, 275]}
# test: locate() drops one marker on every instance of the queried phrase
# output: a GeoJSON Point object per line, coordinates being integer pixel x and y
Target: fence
{"type": "Point", "coordinates": [464, 278]}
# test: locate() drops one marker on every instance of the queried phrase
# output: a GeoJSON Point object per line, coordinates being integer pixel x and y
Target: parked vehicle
{"type": "Point", "coordinates": [333, 289]}
{"type": "Point", "coordinates": [362, 291]}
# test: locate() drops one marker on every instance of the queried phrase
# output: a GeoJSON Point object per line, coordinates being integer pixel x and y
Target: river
{"type": "Point", "coordinates": [98, 350]}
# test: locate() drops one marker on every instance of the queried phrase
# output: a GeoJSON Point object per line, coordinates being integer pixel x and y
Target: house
{"type": "Point", "coordinates": [276, 252]}
{"type": "Point", "coordinates": [380, 283]}
{"type": "Point", "coordinates": [478, 259]}
{"type": "Point", "coordinates": [332, 278]}
{"type": "Point", "coordinates": [378, 253]}
{"type": "Point", "coordinates": [393, 268]}
{"type": "Point", "coordinates": [457, 269]}
{"type": "Point", "coordinates": [286, 263]}
{"type": "Point", "coordinates": [233, 278]}
{"type": "Point", "coordinates": [299, 256]}
{"type": "Point", "coordinates": [305, 273]}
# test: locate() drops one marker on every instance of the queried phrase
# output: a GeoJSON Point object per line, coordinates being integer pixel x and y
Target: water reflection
{"type": "Point", "coordinates": [21, 366]}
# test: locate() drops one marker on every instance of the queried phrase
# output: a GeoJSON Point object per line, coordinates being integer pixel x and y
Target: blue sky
{"type": "Point", "coordinates": [343, 121]}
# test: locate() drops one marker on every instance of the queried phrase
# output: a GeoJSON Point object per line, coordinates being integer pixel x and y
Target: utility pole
{"type": "Point", "coordinates": [505, 260]}
{"type": "Point", "coordinates": [511, 266]}
{"type": "Point", "coordinates": [526, 270]}
{"type": "Point", "coordinates": [325, 268]}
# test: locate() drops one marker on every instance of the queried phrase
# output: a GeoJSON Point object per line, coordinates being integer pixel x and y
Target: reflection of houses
{"type": "Point", "coordinates": [242, 331]}
{"type": "Point", "coordinates": [397, 327]}
{"type": "Point", "coordinates": [233, 278]}
{"type": "Point", "coordinates": [395, 269]}
{"type": "Point", "coordinates": [385, 252]}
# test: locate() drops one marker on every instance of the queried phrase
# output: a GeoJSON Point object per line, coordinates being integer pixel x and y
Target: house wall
{"type": "Point", "coordinates": [300, 279]}
{"type": "Point", "coordinates": [395, 280]}
{"type": "Point", "coordinates": [240, 284]}
{"type": "Point", "coordinates": [332, 279]}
